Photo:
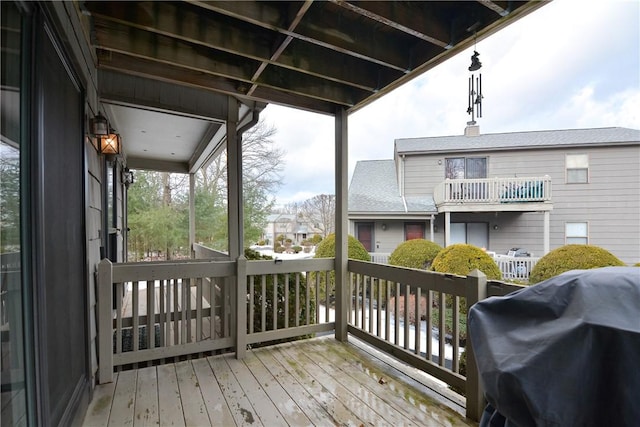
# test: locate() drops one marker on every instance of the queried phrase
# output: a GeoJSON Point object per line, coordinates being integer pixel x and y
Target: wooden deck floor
{"type": "Point", "coordinates": [318, 381]}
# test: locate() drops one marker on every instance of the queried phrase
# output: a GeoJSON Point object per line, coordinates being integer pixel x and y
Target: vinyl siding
{"type": "Point", "coordinates": [609, 202]}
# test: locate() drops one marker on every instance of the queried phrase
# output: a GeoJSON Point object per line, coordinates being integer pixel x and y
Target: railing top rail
{"type": "Point", "coordinates": [289, 266]}
{"type": "Point", "coordinates": [126, 272]}
{"type": "Point", "coordinates": [496, 288]}
{"type": "Point", "coordinates": [425, 280]}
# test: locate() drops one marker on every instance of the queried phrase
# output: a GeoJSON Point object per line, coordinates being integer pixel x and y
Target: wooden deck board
{"type": "Point", "coordinates": [310, 382]}
{"type": "Point", "coordinates": [124, 400]}
{"type": "Point", "coordinates": [169, 400]}
{"type": "Point", "coordinates": [146, 409]}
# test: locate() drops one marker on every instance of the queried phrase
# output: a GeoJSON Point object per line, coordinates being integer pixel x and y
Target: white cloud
{"type": "Point", "coordinates": [570, 64]}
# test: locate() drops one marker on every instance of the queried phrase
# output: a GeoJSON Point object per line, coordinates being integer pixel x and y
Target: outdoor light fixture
{"type": "Point", "coordinates": [127, 177]}
{"type": "Point", "coordinates": [110, 143]}
{"type": "Point", "coordinates": [99, 125]}
{"type": "Point", "coordinates": [384, 227]}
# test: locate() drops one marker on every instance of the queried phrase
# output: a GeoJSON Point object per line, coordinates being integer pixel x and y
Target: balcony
{"type": "Point", "coordinates": [195, 309]}
{"type": "Point", "coordinates": [525, 194]}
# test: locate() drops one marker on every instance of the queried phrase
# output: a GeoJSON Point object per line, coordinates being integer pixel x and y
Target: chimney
{"type": "Point", "coordinates": [472, 129]}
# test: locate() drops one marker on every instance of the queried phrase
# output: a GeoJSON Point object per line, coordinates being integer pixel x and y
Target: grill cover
{"type": "Point", "coordinates": [564, 352]}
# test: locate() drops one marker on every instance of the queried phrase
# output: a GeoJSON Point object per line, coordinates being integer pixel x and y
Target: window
{"type": "Point", "coordinates": [576, 233]}
{"type": "Point", "coordinates": [466, 168]}
{"type": "Point", "coordinates": [577, 168]}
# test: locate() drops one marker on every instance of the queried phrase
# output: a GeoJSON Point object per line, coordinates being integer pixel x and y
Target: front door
{"type": "Point", "coordinates": [413, 230]}
{"type": "Point", "coordinates": [364, 233]}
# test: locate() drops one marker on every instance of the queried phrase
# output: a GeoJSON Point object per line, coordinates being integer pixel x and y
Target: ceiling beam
{"type": "Point", "coordinates": [151, 69]}
{"type": "Point", "coordinates": [157, 165]}
{"type": "Point", "coordinates": [128, 90]}
{"type": "Point", "coordinates": [494, 6]}
{"type": "Point", "coordinates": [380, 48]}
{"type": "Point", "coordinates": [405, 20]}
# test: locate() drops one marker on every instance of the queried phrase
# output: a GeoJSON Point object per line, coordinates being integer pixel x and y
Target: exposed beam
{"type": "Point", "coordinates": [274, 78]}
{"type": "Point", "coordinates": [157, 165]}
{"type": "Point", "coordinates": [283, 45]}
{"type": "Point", "coordinates": [150, 69]}
{"type": "Point", "coordinates": [493, 6]}
{"type": "Point", "coordinates": [128, 90]}
{"type": "Point", "coordinates": [380, 49]}
{"type": "Point", "coordinates": [395, 23]}
{"type": "Point", "coordinates": [215, 32]}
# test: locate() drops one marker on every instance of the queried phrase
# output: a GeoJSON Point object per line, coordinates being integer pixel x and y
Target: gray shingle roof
{"type": "Point", "coordinates": [519, 140]}
{"type": "Point", "coordinates": [374, 188]}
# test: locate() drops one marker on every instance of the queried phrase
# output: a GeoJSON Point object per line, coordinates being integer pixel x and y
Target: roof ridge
{"type": "Point", "coordinates": [520, 132]}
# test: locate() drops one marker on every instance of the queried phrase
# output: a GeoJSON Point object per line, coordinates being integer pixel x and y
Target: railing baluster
{"type": "Point", "coordinates": [119, 295]}
{"type": "Point", "coordinates": [317, 299]}
{"type": "Point", "coordinates": [135, 336]}
{"type": "Point", "coordinates": [274, 302]}
{"type": "Point", "coordinates": [363, 320]}
{"type": "Point", "coordinates": [198, 282]}
{"type": "Point", "coordinates": [263, 324]}
{"type": "Point", "coordinates": [407, 319]}
{"type": "Point", "coordinates": [442, 329]}
{"type": "Point", "coordinates": [327, 291]}
{"type": "Point", "coordinates": [371, 293]}
{"type": "Point", "coordinates": [176, 314]}
{"type": "Point", "coordinates": [387, 318]}
{"type": "Point", "coordinates": [418, 327]}
{"type": "Point", "coordinates": [213, 323]}
{"type": "Point", "coordinates": [308, 300]}
{"type": "Point", "coordinates": [151, 323]}
{"type": "Point", "coordinates": [381, 285]}
{"type": "Point", "coordinates": [286, 300]}
{"type": "Point", "coordinates": [429, 324]}
{"type": "Point", "coordinates": [455, 338]}
{"type": "Point", "coordinates": [357, 301]}
{"type": "Point", "coordinates": [251, 302]}
{"type": "Point", "coordinates": [297, 322]}
{"type": "Point", "coordinates": [396, 315]}
{"type": "Point", "coordinates": [161, 311]}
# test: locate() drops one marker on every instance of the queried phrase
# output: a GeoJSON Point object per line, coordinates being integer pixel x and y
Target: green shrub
{"type": "Point", "coordinates": [296, 249]}
{"type": "Point", "coordinates": [637, 264]}
{"type": "Point", "coordinates": [462, 259]}
{"type": "Point", "coordinates": [281, 280]}
{"type": "Point", "coordinates": [416, 253]}
{"type": "Point", "coordinates": [572, 257]}
{"type": "Point", "coordinates": [315, 239]}
{"type": "Point", "coordinates": [327, 249]}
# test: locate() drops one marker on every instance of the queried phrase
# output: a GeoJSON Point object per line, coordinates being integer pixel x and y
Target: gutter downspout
{"type": "Point", "coordinates": [401, 183]}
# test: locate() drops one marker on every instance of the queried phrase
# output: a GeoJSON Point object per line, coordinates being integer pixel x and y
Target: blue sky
{"type": "Point", "coordinates": [571, 64]}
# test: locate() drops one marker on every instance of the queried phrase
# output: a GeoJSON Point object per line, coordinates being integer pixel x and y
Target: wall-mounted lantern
{"type": "Point", "coordinates": [109, 142]}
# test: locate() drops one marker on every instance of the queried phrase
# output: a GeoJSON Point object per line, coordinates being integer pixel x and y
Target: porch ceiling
{"type": "Point", "coordinates": [312, 55]}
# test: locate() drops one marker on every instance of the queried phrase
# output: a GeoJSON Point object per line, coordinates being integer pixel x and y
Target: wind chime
{"type": "Point", "coordinates": [475, 89]}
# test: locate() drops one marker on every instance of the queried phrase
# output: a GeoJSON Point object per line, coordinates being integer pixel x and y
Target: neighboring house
{"type": "Point", "coordinates": [290, 226]}
{"type": "Point", "coordinates": [533, 190]}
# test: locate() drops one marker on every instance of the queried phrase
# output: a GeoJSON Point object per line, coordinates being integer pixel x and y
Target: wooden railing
{"type": "Point", "coordinates": [404, 312]}
{"type": "Point", "coordinates": [204, 252]}
{"type": "Point", "coordinates": [515, 268]}
{"type": "Point", "coordinates": [493, 190]}
{"type": "Point", "coordinates": [161, 311]}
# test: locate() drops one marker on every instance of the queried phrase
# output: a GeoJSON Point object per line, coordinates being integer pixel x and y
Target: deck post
{"type": "Point", "coordinates": [105, 322]}
{"type": "Point", "coordinates": [241, 307]}
{"type": "Point", "coordinates": [476, 290]}
{"type": "Point", "coordinates": [192, 214]}
{"type": "Point", "coordinates": [342, 225]}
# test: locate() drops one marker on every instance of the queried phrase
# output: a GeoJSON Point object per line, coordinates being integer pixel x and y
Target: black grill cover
{"type": "Point", "coordinates": [564, 352]}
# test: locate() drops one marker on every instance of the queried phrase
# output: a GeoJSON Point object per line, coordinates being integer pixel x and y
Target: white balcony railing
{"type": "Point", "coordinates": [493, 190]}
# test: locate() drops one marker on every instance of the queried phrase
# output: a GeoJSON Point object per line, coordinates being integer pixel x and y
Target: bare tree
{"type": "Point", "coordinates": [320, 211]}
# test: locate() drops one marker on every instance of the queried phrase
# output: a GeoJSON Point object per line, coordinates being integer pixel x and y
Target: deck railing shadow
{"type": "Point", "coordinates": [201, 306]}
